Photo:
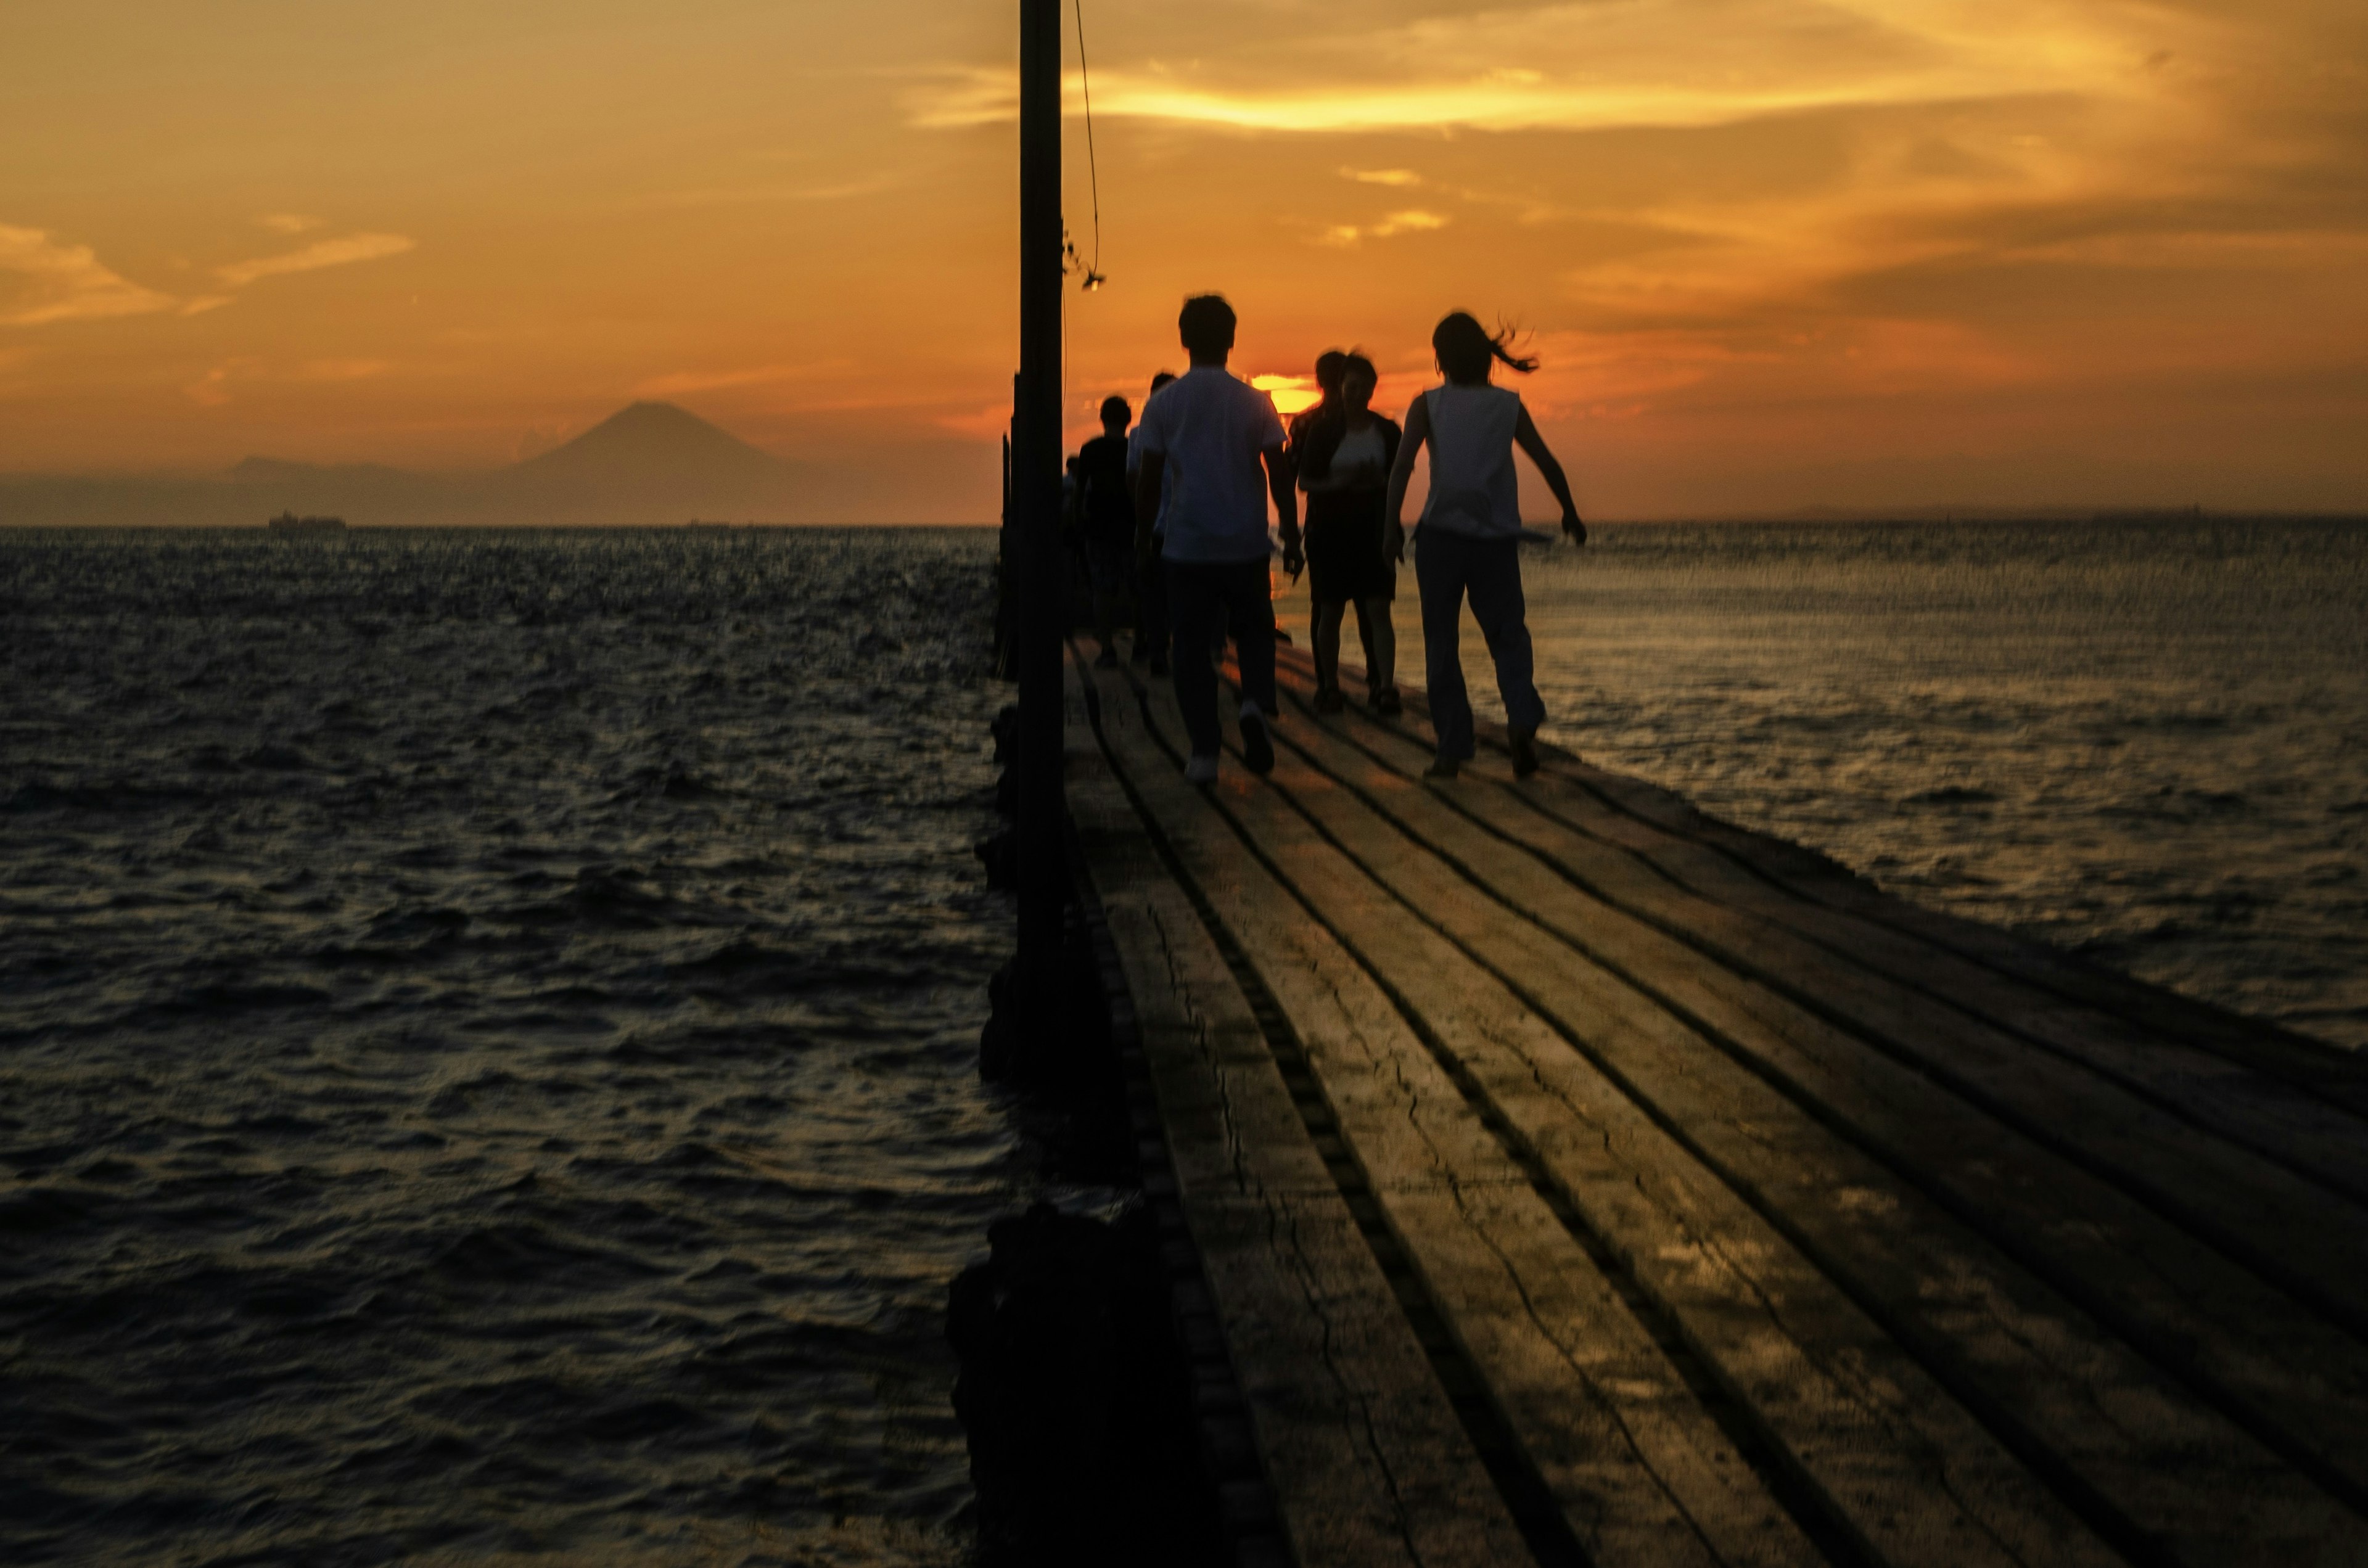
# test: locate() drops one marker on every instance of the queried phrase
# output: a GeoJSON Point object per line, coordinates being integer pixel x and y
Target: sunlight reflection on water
{"type": "Point", "coordinates": [2148, 742]}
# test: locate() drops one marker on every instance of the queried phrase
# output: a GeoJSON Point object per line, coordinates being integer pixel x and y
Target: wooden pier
{"type": "Point", "coordinates": [1574, 1178]}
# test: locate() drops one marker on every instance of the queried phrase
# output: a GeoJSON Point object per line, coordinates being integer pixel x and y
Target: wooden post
{"type": "Point", "coordinates": [1036, 495]}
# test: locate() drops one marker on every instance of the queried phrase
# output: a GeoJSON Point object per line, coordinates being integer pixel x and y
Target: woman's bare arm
{"type": "Point", "coordinates": [1525, 436]}
{"type": "Point", "coordinates": [1418, 431]}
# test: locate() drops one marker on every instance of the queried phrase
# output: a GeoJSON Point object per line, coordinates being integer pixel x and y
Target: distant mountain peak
{"type": "Point", "coordinates": [646, 439]}
{"type": "Point", "coordinates": [648, 462]}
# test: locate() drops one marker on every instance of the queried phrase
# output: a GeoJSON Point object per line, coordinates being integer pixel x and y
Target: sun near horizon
{"type": "Point", "coordinates": [1774, 254]}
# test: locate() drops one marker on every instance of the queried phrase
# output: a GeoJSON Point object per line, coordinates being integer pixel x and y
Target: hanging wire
{"type": "Point", "coordinates": [1094, 278]}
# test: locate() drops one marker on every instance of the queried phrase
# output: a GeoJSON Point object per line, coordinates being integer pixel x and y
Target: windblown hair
{"type": "Point", "coordinates": [1464, 348]}
{"type": "Point", "coordinates": [1206, 324]}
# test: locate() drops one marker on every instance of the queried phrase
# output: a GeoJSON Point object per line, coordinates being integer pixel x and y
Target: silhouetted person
{"type": "Point", "coordinates": [1343, 455]}
{"type": "Point", "coordinates": [1151, 580]}
{"type": "Point", "coordinates": [1470, 535]}
{"type": "Point", "coordinates": [1217, 442]}
{"type": "Point", "coordinates": [1105, 519]}
{"type": "Point", "coordinates": [1328, 366]}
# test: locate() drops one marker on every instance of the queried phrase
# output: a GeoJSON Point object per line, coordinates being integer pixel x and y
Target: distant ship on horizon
{"type": "Point", "coordinates": [289, 522]}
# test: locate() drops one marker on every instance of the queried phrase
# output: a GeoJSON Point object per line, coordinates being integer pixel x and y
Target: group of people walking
{"type": "Point", "coordinates": [1179, 507]}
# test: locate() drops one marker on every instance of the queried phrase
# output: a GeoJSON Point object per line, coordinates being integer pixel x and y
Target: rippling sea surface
{"type": "Point", "coordinates": [488, 1021]}
{"type": "Point", "coordinates": [2146, 741]}
{"type": "Point", "coordinates": [488, 1035]}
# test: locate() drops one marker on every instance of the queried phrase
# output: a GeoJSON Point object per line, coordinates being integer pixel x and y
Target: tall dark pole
{"type": "Point", "coordinates": [1036, 494]}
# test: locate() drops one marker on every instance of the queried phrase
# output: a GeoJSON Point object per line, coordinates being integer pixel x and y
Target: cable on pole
{"type": "Point", "coordinates": [1093, 269]}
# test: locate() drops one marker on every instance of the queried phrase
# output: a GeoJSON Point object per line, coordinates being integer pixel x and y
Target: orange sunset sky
{"type": "Point", "coordinates": [1775, 252]}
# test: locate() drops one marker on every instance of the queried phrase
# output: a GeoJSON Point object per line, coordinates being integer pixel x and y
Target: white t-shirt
{"type": "Point", "coordinates": [1472, 489]}
{"type": "Point", "coordinates": [1210, 428]}
{"type": "Point", "coordinates": [1362, 461]}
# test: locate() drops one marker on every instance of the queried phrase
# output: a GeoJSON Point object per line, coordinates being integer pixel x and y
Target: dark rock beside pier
{"type": "Point", "coordinates": [1075, 1398]}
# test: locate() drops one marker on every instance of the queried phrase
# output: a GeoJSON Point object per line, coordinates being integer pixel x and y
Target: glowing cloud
{"type": "Point", "coordinates": [1775, 251]}
{"type": "Point", "coordinates": [314, 257]}
{"type": "Point", "coordinates": [1413, 220]}
{"type": "Point", "coordinates": [62, 283]}
{"type": "Point", "coordinates": [1672, 63]}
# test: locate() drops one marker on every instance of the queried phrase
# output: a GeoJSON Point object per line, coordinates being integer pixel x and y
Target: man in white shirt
{"type": "Point", "coordinates": [1216, 444]}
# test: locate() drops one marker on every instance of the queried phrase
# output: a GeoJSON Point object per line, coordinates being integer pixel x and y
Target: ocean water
{"type": "Point", "coordinates": [488, 1021]}
{"type": "Point", "coordinates": [2143, 741]}
{"type": "Point", "coordinates": [488, 1034]}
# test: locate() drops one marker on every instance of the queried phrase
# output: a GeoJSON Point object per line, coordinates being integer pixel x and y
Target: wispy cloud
{"type": "Point", "coordinates": [951, 97]}
{"type": "Point", "coordinates": [1399, 177]}
{"type": "Point", "coordinates": [56, 281]}
{"type": "Point", "coordinates": [682, 381]}
{"type": "Point", "coordinates": [1671, 64]}
{"type": "Point", "coordinates": [312, 257]}
{"type": "Point", "coordinates": [66, 282]}
{"type": "Point", "coordinates": [339, 369]}
{"type": "Point", "coordinates": [212, 388]}
{"type": "Point", "coordinates": [218, 385]}
{"type": "Point", "coordinates": [289, 222]}
{"type": "Point", "coordinates": [758, 195]}
{"type": "Point", "coordinates": [1412, 222]}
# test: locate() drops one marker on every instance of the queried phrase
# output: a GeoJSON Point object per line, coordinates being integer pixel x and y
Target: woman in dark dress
{"type": "Point", "coordinates": [1344, 457]}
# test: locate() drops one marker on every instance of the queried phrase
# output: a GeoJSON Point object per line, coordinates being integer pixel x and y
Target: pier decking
{"type": "Point", "coordinates": [1575, 1179]}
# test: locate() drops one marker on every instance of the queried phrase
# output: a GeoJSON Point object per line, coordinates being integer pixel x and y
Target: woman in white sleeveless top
{"type": "Point", "coordinates": [1468, 541]}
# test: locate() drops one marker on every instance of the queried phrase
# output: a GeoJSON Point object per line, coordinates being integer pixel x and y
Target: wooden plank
{"type": "Point", "coordinates": [1895, 1457]}
{"type": "Point", "coordinates": [2022, 1342]}
{"type": "Point", "coordinates": [2322, 1137]}
{"type": "Point", "coordinates": [1765, 872]}
{"type": "Point", "coordinates": [1641, 1470]}
{"type": "Point", "coordinates": [1369, 1462]}
{"type": "Point", "coordinates": [2289, 1214]}
{"type": "Point", "coordinates": [2231, 1132]}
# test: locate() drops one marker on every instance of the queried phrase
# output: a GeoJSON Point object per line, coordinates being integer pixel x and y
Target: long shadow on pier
{"type": "Point", "coordinates": [1581, 1177]}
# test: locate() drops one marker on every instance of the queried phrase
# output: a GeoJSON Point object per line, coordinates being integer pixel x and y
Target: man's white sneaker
{"type": "Point", "coordinates": [1201, 769]}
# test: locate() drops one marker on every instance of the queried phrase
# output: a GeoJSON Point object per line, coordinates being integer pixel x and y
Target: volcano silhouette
{"type": "Point", "coordinates": [655, 444]}
{"type": "Point", "coordinates": [655, 455]}
{"type": "Point", "coordinates": [649, 464]}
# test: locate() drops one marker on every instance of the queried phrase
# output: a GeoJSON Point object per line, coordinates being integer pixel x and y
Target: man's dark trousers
{"type": "Point", "coordinates": [1151, 603]}
{"type": "Point", "coordinates": [1204, 598]}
